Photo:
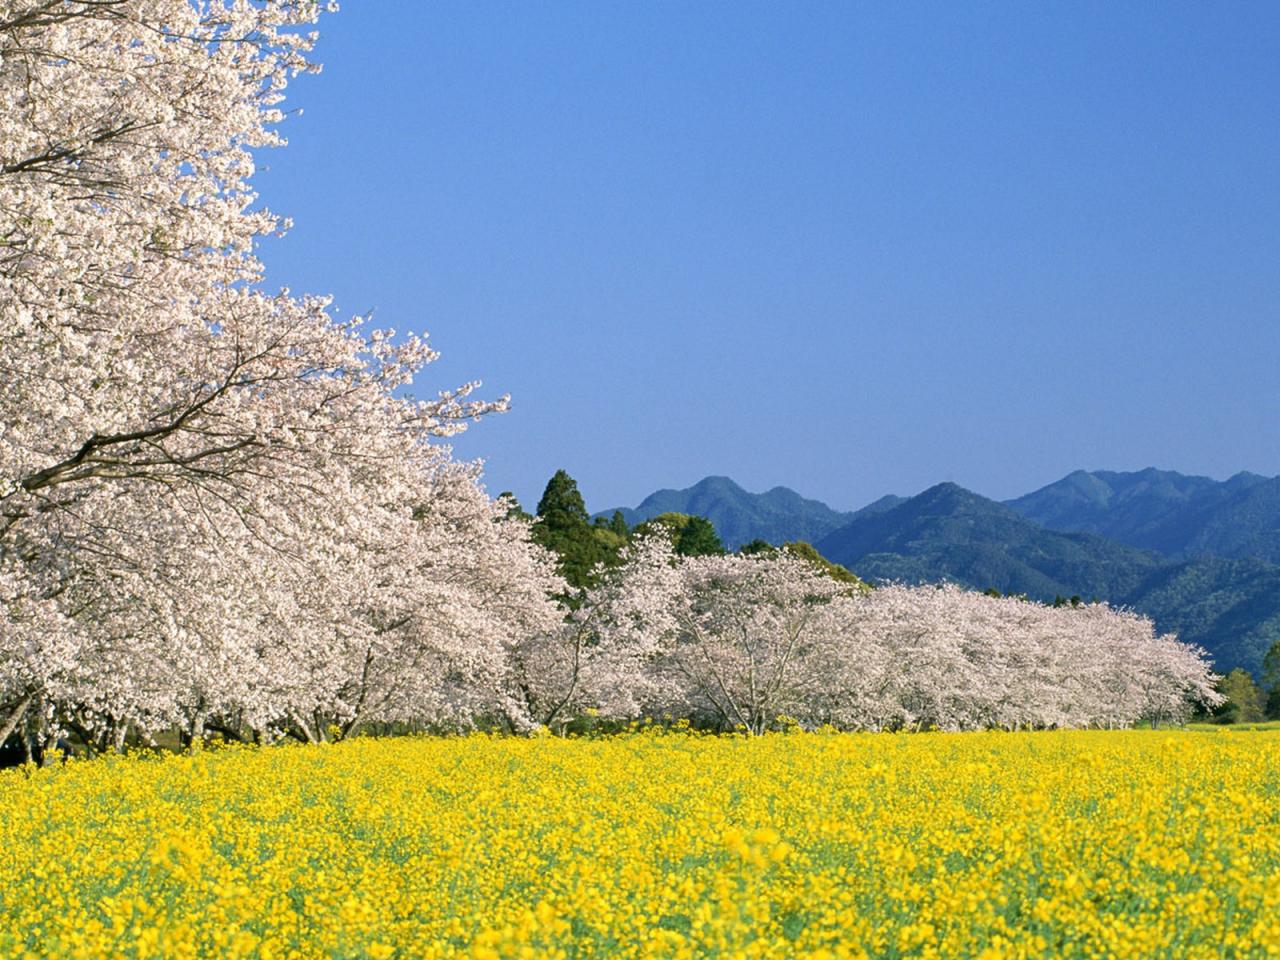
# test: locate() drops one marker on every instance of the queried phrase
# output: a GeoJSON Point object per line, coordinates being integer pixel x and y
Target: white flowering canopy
{"type": "Point", "coordinates": [757, 642]}
{"type": "Point", "coordinates": [215, 501]}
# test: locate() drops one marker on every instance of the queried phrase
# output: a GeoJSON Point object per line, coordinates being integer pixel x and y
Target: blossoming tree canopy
{"type": "Point", "coordinates": [140, 342]}
{"type": "Point", "coordinates": [196, 474]}
{"type": "Point", "coordinates": [753, 641]}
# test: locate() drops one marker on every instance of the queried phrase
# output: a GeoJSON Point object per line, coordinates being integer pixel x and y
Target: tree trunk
{"type": "Point", "coordinates": [306, 735]}
{"type": "Point", "coordinates": [15, 717]}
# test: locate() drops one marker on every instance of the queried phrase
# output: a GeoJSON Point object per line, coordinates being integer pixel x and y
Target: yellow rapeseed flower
{"type": "Point", "coordinates": [655, 844]}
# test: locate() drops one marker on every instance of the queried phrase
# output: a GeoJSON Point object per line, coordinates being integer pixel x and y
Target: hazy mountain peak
{"type": "Point", "coordinates": [1245, 479]}
{"type": "Point", "coordinates": [717, 482]}
{"type": "Point", "coordinates": [778, 515]}
{"type": "Point", "coordinates": [1179, 515]}
{"type": "Point", "coordinates": [952, 496]}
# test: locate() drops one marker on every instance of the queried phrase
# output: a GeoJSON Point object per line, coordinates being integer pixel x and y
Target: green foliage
{"type": "Point", "coordinates": [561, 503]}
{"type": "Point", "coordinates": [690, 536]}
{"type": "Point", "coordinates": [698, 538]}
{"type": "Point", "coordinates": [669, 524]}
{"type": "Point", "coordinates": [564, 529]}
{"type": "Point", "coordinates": [1271, 680]}
{"type": "Point", "coordinates": [809, 553]}
{"type": "Point", "coordinates": [1271, 667]}
{"type": "Point", "coordinates": [1244, 702]}
{"type": "Point", "coordinates": [618, 524]}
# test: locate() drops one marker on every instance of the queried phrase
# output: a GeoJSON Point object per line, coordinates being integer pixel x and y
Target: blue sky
{"type": "Point", "coordinates": [849, 249]}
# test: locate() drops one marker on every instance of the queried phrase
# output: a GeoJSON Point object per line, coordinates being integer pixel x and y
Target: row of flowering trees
{"type": "Point", "coordinates": [749, 642]}
{"type": "Point", "coordinates": [219, 509]}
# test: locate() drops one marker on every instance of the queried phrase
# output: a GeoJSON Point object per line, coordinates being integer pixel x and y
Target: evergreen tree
{"type": "Point", "coordinates": [618, 524]}
{"type": "Point", "coordinates": [564, 527]}
{"type": "Point", "coordinates": [698, 539]}
{"type": "Point", "coordinates": [1271, 680]}
{"type": "Point", "coordinates": [562, 504]}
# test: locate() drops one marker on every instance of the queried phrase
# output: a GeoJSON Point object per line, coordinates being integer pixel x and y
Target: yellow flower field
{"type": "Point", "coordinates": [1072, 844]}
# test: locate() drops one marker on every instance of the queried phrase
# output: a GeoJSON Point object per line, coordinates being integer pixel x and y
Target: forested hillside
{"type": "Point", "coordinates": [1179, 516]}
{"type": "Point", "coordinates": [950, 533]}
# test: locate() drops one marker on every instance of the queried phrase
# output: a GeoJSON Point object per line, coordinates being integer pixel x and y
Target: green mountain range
{"type": "Point", "coordinates": [1200, 557]}
{"type": "Point", "coordinates": [1178, 516]}
{"type": "Point", "coordinates": [951, 533]}
{"type": "Point", "coordinates": [778, 515]}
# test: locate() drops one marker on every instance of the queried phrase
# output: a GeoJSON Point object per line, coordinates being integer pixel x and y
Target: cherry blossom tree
{"type": "Point", "coordinates": [430, 629]}
{"type": "Point", "coordinates": [217, 504]}
{"type": "Point", "coordinates": [956, 659]}
{"type": "Point", "coordinates": [750, 641]}
{"type": "Point", "coordinates": [597, 657]}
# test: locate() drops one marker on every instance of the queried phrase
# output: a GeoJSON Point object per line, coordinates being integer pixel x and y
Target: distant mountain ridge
{"type": "Point", "coordinates": [1179, 516]}
{"type": "Point", "coordinates": [1200, 556]}
{"type": "Point", "coordinates": [948, 532]}
{"type": "Point", "coordinates": [777, 515]}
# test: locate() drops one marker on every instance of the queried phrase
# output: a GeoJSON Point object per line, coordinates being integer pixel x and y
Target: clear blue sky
{"type": "Point", "coordinates": [849, 249]}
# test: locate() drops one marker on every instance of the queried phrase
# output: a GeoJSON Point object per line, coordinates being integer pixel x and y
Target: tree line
{"type": "Point", "coordinates": [771, 636]}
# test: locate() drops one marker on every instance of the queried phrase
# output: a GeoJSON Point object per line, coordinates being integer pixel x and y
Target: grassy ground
{"type": "Point", "coordinates": [1264, 725]}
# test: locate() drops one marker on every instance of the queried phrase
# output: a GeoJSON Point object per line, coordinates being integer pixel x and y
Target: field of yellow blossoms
{"type": "Point", "coordinates": [1072, 844]}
